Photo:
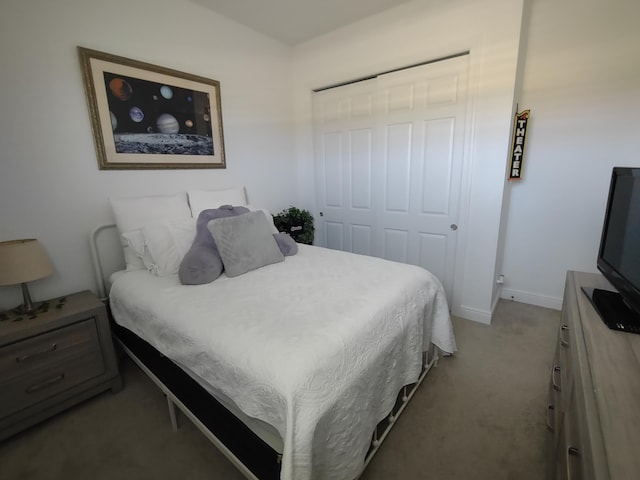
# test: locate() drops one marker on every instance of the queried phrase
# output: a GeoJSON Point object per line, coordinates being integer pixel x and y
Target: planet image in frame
{"type": "Point", "coordinates": [114, 120]}
{"type": "Point", "coordinates": [120, 89]}
{"type": "Point", "coordinates": [167, 123]}
{"type": "Point", "coordinates": [136, 114]}
{"type": "Point", "coordinates": [166, 92]}
{"type": "Point", "coordinates": [188, 123]}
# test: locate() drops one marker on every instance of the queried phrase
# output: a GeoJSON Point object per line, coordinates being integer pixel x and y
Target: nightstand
{"type": "Point", "coordinates": [54, 359]}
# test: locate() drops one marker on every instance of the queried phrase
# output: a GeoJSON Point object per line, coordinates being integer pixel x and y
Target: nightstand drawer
{"type": "Point", "coordinates": [43, 366]}
{"type": "Point", "coordinates": [36, 352]}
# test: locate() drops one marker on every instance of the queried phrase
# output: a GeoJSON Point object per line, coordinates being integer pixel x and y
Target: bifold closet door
{"type": "Point", "coordinates": [388, 159]}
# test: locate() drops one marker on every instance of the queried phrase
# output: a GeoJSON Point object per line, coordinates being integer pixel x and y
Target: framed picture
{"type": "Point", "coordinates": [148, 117]}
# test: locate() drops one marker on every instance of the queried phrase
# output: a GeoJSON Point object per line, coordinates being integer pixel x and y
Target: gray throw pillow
{"type": "Point", "coordinates": [245, 242]}
{"type": "Point", "coordinates": [202, 263]}
{"type": "Point", "coordinates": [286, 243]}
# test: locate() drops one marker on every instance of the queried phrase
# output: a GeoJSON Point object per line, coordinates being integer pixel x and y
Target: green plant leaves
{"type": "Point", "coordinates": [297, 223]}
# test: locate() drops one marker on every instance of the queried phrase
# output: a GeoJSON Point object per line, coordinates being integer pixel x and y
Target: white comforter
{"type": "Point", "coordinates": [318, 346]}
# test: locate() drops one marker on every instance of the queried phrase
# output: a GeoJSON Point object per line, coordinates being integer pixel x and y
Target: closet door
{"type": "Point", "coordinates": [345, 126]}
{"type": "Point", "coordinates": [389, 155]}
{"type": "Point", "coordinates": [419, 164]}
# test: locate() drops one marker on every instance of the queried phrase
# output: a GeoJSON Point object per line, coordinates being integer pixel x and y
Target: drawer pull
{"type": "Point", "coordinates": [45, 384]}
{"type": "Point", "coordinates": [49, 349]}
{"type": "Point", "coordinates": [563, 342]}
{"type": "Point", "coordinates": [571, 452]}
{"type": "Point", "coordinates": [550, 408]}
{"type": "Point", "coordinates": [556, 386]}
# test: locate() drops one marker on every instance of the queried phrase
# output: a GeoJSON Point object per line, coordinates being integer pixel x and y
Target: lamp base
{"type": "Point", "coordinates": [28, 304]}
{"type": "Point", "coordinates": [28, 307]}
{"type": "Point", "coordinates": [38, 307]}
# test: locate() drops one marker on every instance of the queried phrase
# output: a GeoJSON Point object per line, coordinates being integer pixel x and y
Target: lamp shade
{"type": "Point", "coordinates": [23, 261]}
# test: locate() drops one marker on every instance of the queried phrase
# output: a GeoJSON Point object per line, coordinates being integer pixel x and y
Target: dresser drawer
{"type": "Point", "coordinates": [43, 366]}
{"type": "Point", "coordinates": [564, 355]}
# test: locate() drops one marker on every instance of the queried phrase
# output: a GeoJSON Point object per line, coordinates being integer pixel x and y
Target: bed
{"type": "Point", "coordinates": [309, 359]}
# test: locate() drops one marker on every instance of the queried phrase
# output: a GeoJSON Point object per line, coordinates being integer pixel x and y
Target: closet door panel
{"type": "Point", "coordinates": [344, 136]}
{"type": "Point", "coordinates": [397, 167]}
{"type": "Point", "coordinates": [388, 156]}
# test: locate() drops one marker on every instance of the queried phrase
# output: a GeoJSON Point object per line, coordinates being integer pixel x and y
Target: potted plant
{"type": "Point", "coordinates": [297, 223]}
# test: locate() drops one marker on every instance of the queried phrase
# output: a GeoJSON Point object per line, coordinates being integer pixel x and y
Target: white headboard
{"type": "Point", "coordinates": [107, 256]}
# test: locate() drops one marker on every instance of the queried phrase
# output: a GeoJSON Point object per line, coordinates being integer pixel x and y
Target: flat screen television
{"type": "Point", "coordinates": [619, 253]}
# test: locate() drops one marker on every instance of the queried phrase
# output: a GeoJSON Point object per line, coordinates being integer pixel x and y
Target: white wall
{"type": "Point", "coordinates": [582, 83]}
{"type": "Point", "coordinates": [416, 32]}
{"type": "Point", "coordinates": [50, 185]}
{"type": "Point", "coordinates": [581, 80]}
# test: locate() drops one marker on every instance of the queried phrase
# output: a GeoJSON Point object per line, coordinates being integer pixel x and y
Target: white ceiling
{"type": "Point", "coordinates": [295, 21]}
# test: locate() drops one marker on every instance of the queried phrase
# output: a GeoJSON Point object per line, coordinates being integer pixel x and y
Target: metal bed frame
{"type": "Point", "coordinates": [253, 457]}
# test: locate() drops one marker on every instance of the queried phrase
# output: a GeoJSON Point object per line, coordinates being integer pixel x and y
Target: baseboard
{"type": "Point", "coordinates": [480, 316]}
{"type": "Point", "coordinates": [483, 316]}
{"type": "Point", "coordinates": [554, 303]}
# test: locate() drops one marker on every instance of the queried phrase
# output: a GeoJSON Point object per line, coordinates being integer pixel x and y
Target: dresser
{"type": "Point", "coordinates": [593, 411]}
{"type": "Point", "coordinates": [54, 359]}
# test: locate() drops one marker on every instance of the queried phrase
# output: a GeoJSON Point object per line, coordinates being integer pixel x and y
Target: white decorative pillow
{"type": "Point", "coordinates": [200, 200]}
{"type": "Point", "coordinates": [136, 256]}
{"type": "Point", "coordinates": [167, 244]}
{"type": "Point", "coordinates": [132, 260]}
{"type": "Point", "coordinates": [133, 213]}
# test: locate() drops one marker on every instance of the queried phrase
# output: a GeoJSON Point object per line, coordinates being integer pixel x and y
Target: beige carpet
{"type": "Point", "coordinates": [478, 415]}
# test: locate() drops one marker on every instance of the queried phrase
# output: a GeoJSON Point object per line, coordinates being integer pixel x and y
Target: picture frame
{"type": "Point", "coordinates": [145, 116]}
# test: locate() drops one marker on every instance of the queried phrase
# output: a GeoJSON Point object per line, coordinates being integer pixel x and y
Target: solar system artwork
{"type": "Point", "coordinates": [149, 117]}
{"type": "Point", "coordinates": [146, 116]}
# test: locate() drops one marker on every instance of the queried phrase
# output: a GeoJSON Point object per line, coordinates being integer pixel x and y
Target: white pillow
{"type": "Point", "coordinates": [132, 260]}
{"type": "Point", "coordinates": [200, 200]}
{"type": "Point", "coordinates": [167, 244]}
{"type": "Point", "coordinates": [135, 255]}
{"type": "Point", "coordinates": [133, 213]}
{"type": "Point", "coordinates": [159, 247]}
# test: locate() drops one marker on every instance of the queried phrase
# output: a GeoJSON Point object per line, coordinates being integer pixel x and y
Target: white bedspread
{"type": "Point", "coordinates": [317, 346]}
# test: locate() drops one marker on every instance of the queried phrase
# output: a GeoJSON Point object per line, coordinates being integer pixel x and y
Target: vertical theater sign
{"type": "Point", "coordinates": [517, 148]}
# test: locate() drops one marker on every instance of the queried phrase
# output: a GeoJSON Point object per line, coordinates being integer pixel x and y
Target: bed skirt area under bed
{"type": "Point", "coordinates": [247, 451]}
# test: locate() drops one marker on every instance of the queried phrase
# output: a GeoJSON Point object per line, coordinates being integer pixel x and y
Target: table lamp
{"type": "Point", "coordinates": [23, 261]}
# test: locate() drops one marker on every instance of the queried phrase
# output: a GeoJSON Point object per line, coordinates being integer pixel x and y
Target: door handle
{"type": "Point", "coordinates": [550, 408]}
{"type": "Point", "coordinates": [563, 342]}
{"type": "Point", "coordinates": [556, 386]}
{"type": "Point", "coordinates": [453, 227]}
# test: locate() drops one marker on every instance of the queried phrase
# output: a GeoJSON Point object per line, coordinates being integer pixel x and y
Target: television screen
{"type": "Point", "coordinates": [621, 235]}
{"type": "Point", "coordinates": [619, 254]}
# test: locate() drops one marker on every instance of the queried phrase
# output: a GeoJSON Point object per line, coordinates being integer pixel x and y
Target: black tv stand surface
{"type": "Point", "coordinates": [612, 309]}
